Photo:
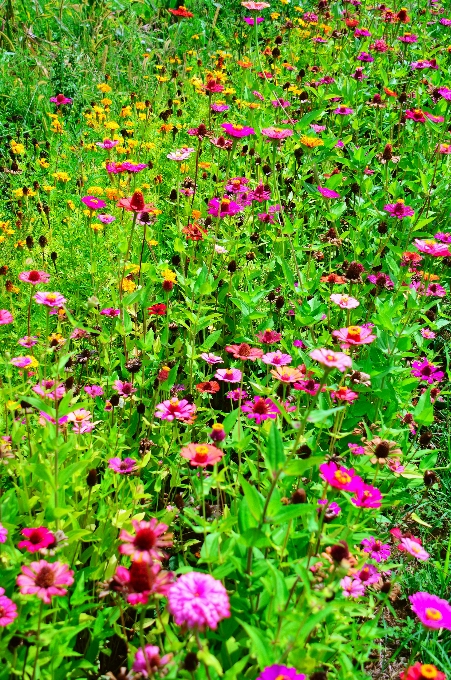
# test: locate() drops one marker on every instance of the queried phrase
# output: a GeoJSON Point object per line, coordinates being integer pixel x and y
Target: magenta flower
{"type": "Point", "coordinates": [431, 247]}
{"type": "Point", "coordinates": [444, 237]}
{"type": "Point", "coordinates": [175, 409]}
{"type": "Point", "coordinates": [277, 133]}
{"type": "Point", "coordinates": [377, 550]}
{"type": "Point", "coordinates": [332, 359]}
{"type": "Point", "coordinates": [223, 207]}
{"type": "Point", "coordinates": [381, 280]}
{"type": "Point", "coordinates": [340, 477]}
{"type": "Point", "coordinates": [354, 335]}
{"type": "Point", "coordinates": [424, 63]}
{"type": "Point", "coordinates": [352, 587]}
{"type": "Point", "coordinates": [123, 388]}
{"type": "Point", "coordinates": [238, 131]}
{"type": "Point", "coordinates": [107, 144]}
{"type": "Point", "coordinates": [344, 301]}
{"type": "Point", "coordinates": [8, 609]}
{"type": "Point", "coordinates": [230, 375]}
{"type": "Point", "coordinates": [445, 92]}
{"type": "Point", "coordinates": [93, 390]}
{"type": "Point", "coordinates": [327, 193]}
{"type": "Point", "coordinates": [93, 203]}
{"type": "Point", "coordinates": [367, 496]}
{"type": "Point", "coordinates": [110, 311]}
{"type": "Point", "coordinates": [122, 467]}
{"type": "Point", "coordinates": [276, 358]}
{"type": "Point", "coordinates": [244, 352]}
{"type": "Point", "coordinates": [365, 56]}
{"type": "Point", "coordinates": [49, 388]}
{"type": "Point", "coordinates": [277, 672]}
{"type": "Point", "coordinates": [142, 580]}
{"type": "Point", "coordinates": [236, 395]}
{"type": "Point", "coordinates": [269, 337]}
{"type": "Point", "coordinates": [432, 611]}
{"type": "Point", "coordinates": [413, 548]}
{"type": "Point", "coordinates": [427, 333]}
{"type": "Point", "coordinates": [261, 193]}
{"type": "Point", "coordinates": [198, 601]}
{"type": "Point", "coordinates": [3, 534]}
{"type": "Point", "coordinates": [426, 371]}
{"type": "Point", "coordinates": [23, 362]}
{"type": "Point", "coordinates": [211, 358]}
{"type": "Point", "coordinates": [36, 539]}
{"type": "Point", "coordinates": [34, 277]}
{"type": "Point", "coordinates": [60, 99]}
{"type": "Point", "coordinates": [148, 661]}
{"type": "Point", "coordinates": [356, 449]}
{"type": "Point", "coordinates": [408, 38]}
{"type": "Point", "coordinates": [344, 394]}
{"type": "Point", "coordinates": [219, 108]}
{"type": "Point", "coordinates": [361, 33]}
{"type": "Point", "coordinates": [368, 575]}
{"type": "Point", "coordinates": [147, 542]}
{"type": "Point", "coordinates": [308, 386]}
{"type": "Point", "coordinates": [399, 209]}
{"type": "Point", "coordinates": [5, 317]}
{"type": "Point", "coordinates": [105, 219]}
{"type": "Point", "coordinates": [260, 409]}
{"type": "Point", "coordinates": [45, 579]}
{"type": "Point", "coordinates": [50, 299]}
{"type": "Point", "coordinates": [343, 111]}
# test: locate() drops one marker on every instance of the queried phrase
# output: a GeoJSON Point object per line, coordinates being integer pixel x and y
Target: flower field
{"type": "Point", "coordinates": [225, 251]}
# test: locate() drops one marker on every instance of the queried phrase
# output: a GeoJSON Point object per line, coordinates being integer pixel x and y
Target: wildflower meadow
{"type": "Point", "coordinates": [225, 258]}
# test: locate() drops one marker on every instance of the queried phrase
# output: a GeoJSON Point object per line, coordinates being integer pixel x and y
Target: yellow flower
{"type": "Point", "coordinates": [196, 214]}
{"type": "Point", "coordinates": [152, 242]}
{"type": "Point", "coordinates": [88, 147]}
{"type": "Point", "coordinates": [96, 226]}
{"type": "Point", "coordinates": [17, 193]}
{"type": "Point", "coordinates": [112, 125]}
{"type": "Point", "coordinates": [104, 87]}
{"type": "Point", "coordinates": [166, 127]}
{"type": "Point", "coordinates": [140, 106]}
{"type": "Point", "coordinates": [12, 405]}
{"type": "Point", "coordinates": [48, 188]}
{"type": "Point", "coordinates": [169, 275]}
{"type": "Point", "coordinates": [71, 205]}
{"type": "Point", "coordinates": [126, 111]}
{"type": "Point", "coordinates": [204, 165]}
{"type": "Point", "coordinates": [94, 191]}
{"type": "Point", "coordinates": [142, 116]}
{"type": "Point", "coordinates": [56, 126]}
{"type": "Point", "coordinates": [149, 145]}
{"type": "Point", "coordinates": [274, 15]}
{"type": "Point", "coordinates": [43, 163]}
{"type": "Point", "coordinates": [57, 339]}
{"type": "Point", "coordinates": [195, 37]}
{"type": "Point", "coordinates": [162, 79]}
{"type": "Point", "coordinates": [106, 102]}
{"type": "Point", "coordinates": [132, 268]}
{"type": "Point", "coordinates": [112, 193]}
{"type": "Point", "coordinates": [17, 148]}
{"type": "Point", "coordinates": [145, 186]}
{"type": "Point", "coordinates": [184, 167]}
{"type": "Point", "coordinates": [61, 176]}
{"type": "Point", "coordinates": [311, 142]}
{"type": "Point", "coordinates": [128, 286]}
{"type": "Point", "coordinates": [19, 244]}
{"type": "Point", "coordinates": [159, 67]}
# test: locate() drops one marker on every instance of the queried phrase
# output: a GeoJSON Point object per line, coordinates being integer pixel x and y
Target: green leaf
{"type": "Point", "coordinates": [230, 420]}
{"type": "Point", "coordinates": [210, 660]}
{"type": "Point", "coordinates": [254, 499]}
{"type": "Point", "coordinates": [260, 646]}
{"type": "Point", "coordinates": [211, 339]}
{"type": "Point", "coordinates": [296, 468]}
{"type": "Point", "coordinates": [424, 410]}
{"type": "Point", "coordinates": [322, 415]}
{"type": "Point", "coordinates": [290, 512]}
{"type": "Point", "coordinates": [275, 454]}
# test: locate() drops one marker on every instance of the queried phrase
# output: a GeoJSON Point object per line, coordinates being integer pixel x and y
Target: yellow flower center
{"type": "Point", "coordinates": [428, 671]}
{"type": "Point", "coordinates": [342, 477]}
{"type": "Point", "coordinates": [354, 331]}
{"type": "Point", "coordinates": [201, 451]}
{"type": "Point", "coordinates": [433, 614]}
{"type": "Point", "coordinates": [330, 357]}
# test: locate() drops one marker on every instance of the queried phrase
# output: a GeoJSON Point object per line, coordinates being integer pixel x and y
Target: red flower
{"type": "Point", "coordinates": [158, 309]}
{"type": "Point", "coordinates": [209, 387]}
{"type": "Point", "coordinates": [135, 203]}
{"type": "Point", "coordinates": [194, 232]}
{"type": "Point", "coordinates": [181, 12]}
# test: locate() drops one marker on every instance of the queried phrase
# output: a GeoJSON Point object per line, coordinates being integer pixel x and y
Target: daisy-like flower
{"type": "Point", "coordinates": [5, 317]}
{"type": "Point", "coordinates": [36, 539]}
{"type": "Point", "coordinates": [269, 337]}
{"type": "Point", "coordinates": [331, 359]}
{"type": "Point", "coordinates": [24, 362]}
{"type": "Point", "coordinates": [408, 38]}
{"type": "Point", "coordinates": [343, 111]}
{"type": "Point", "coordinates": [356, 449]}
{"type": "Point", "coordinates": [366, 57]}
{"type": "Point", "coordinates": [354, 335]}
{"type": "Point", "coordinates": [340, 477]}
{"type": "Point", "coordinates": [344, 394]}
{"type": "Point", "coordinates": [211, 358]}
{"type": "Point", "coordinates": [231, 375]}
{"type": "Point", "coordinates": [255, 6]}
{"type": "Point", "coordinates": [377, 550]}
{"type": "Point", "coordinates": [278, 672]}
{"type": "Point", "coordinates": [277, 358]}
{"type": "Point", "coordinates": [238, 131]}
{"type": "Point", "coordinates": [181, 154]}
{"type": "Point", "coordinates": [432, 611]}
{"type": "Point", "coordinates": [223, 207]}
{"type": "Point", "coordinates": [427, 333]}
{"type": "Point", "coordinates": [45, 579]}
{"type": "Point", "coordinates": [142, 580]}
{"type": "Point", "coordinates": [147, 659]}
{"type": "Point", "coordinates": [413, 548]}
{"type": "Point", "coordinates": [61, 100]}
{"type": "Point", "coordinates": [110, 311]}
{"type": "Point", "coordinates": [8, 609]}
{"type": "Point", "coordinates": [287, 374]}
{"type": "Point", "coordinates": [3, 534]}
{"type": "Point", "coordinates": [122, 467]}
{"type": "Point", "coordinates": [382, 449]}
{"type": "Point", "coordinates": [431, 247]}
{"type": "Point", "coordinates": [352, 587]}
{"type": "Point", "coordinates": [135, 203]}
{"type": "Point", "coordinates": [367, 496]}
{"type": "Point", "coordinates": [308, 386]}
{"type": "Point", "coordinates": [236, 395]}
{"type": "Point", "coordinates": [201, 455]}
{"type": "Point", "coordinates": [277, 133]}
{"type": "Point", "coordinates": [399, 209]}
{"type": "Point", "coordinates": [260, 409]}
{"type": "Point", "coordinates": [123, 388]}
{"type": "Point", "coordinates": [107, 144]}
{"type": "Point", "coordinates": [93, 390]}
{"type": "Point", "coordinates": [50, 299]}
{"type": "Point", "coordinates": [49, 388]}
{"type": "Point", "coordinates": [93, 203]}
{"type": "Point", "coordinates": [147, 542]}
{"type": "Point", "coordinates": [176, 409]}
{"type": "Point", "coordinates": [344, 301]}
{"type": "Point", "coordinates": [34, 277]}
{"type": "Point", "coordinates": [426, 371]}
{"type": "Point", "coordinates": [244, 352]}
{"type": "Point", "coordinates": [421, 671]}
{"type": "Point", "coordinates": [208, 387]}
{"type": "Point", "coordinates": [198, 601]}
{"type": "Point", "coordinates": [368, 575]}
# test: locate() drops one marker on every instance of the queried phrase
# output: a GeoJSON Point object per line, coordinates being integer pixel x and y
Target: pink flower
{"type": "Point", "coordinates": [198, 601]}
{"type": "Point", "coordinates": [308, 386]}
{"type": "Point", "coordinates": [344, 301]}
{"type": "Point", "coordinates": [332, 359]}
{"type": "Point", "coordinates": [60, 99]}
{"type": "Point", "coordinates": [368, 575]}
{"type": "Point", "coordinates": [45, 579]}
{"type": "Point", "coordinates": [354, 335]}
{"type": "Point", "coordinates": [22, 362]}
{"type": "Point", "coordinates": [367, 496]}
{"type": "Point", "coordinates": [255, 6]}
{"type": "Point", "coordinates": [180, 154]}
{"type": "Point", "coordinates": [230, 375]}
{"type": "Point", "coordinates": [399, 209]}
{"type": "Point", "coordinates": [340, 477]}
{"type": "Point", "coordinates": [377, 550]}
{"type": "Point", "coordinates": [276, 358]}
{"type": "Point", "coordinates": [201, 455]}
{"type": "Point", "coordinates": [431, 247]}
{"type": "Point", "coordinates": [50, 299]}
{"type": "Point", "coordinates": [105, 219]}
{"type": "Point", "coordinates": [211, 358]}
{"type": "Point", "coordinates": [413, 548]}
{"type": "Point", "coordinates": [107, 144]}
{"type": "Point", "coordinates": [352, 587]}
{"type": "Point", "coordinates": [432, 611]}
{"type": "Point", "coordinates": [260, 409]}
{"type": "Point", "coordinates": [110, 311]}
{"type": "Point", "coordinates": [223, 207]}
{"type": "Point", "coordinates": [426, 371]}
{"type": "Point", "coordinates": [34, 277]}
{"type": "Point", "coordinates": [343, 111]}
{"type": "Point", "coordinates": [278, 672]}
{"type": "Point", "coordinates": [5, 317]}
{"type": "Point", "coordinates": [238, 131]}
{"type": "Point", "coordinates": [236, 395]}
{"type": "Point", "coordinates": [45, 417]}
{"type": "Point", "coordinates": [142, 580]}
{"type": "Point", "coordinates": [93, 203]}
{"type": "Point", "coordinates": [277, 133]}
{"type": "Point", "coordinates": [122, 467]}
{"type": "Point", "coordinates": [37, 538]}
{"type": "Point", "coordinates": [28, 341]}
{"type": "Point", "coordinates": [288, 374]}
{"type": "Point", "coordinates": [356, 449]}
{"type": "Point", "coordinates": [175, 409]}
{"type": "Point", "coordinates": [3, 534]}
{"type": "Point", "coordinates": [49, 388]}
{"type": "Point", "coordinates": [123, 388]}
{"type": "Point", "coordinates": [79, 415]}
{"type": "Point", "coordinates": [148, 661]}
{"type": "Point", "coordinates": [344, 394]}
{"type": "Point", "coordinates": [244, 352]}
{"type": "Point", "coordinates": [327, 193]}
{"type": "Point", "coordinates": [269, 337]}
{"type": "Point", "coordinates": [8, 609]}
{"type": "Point", "coordinates": [93, 390]}
{"type": "Point", "coordinates": [147, 542]}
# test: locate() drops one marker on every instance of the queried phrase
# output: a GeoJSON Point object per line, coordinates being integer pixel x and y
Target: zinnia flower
{"type": "Point", "coordinates": [147, 659]}
{"type": "Point", "coordinates": [5, 317]}
{"type": "Point", "coordinates": [36, 539]}
{"type": "Point", "coordinates": [34, 277]}
{"type": "Point", "coordinates": [175, 409]}
{"type": "Point", "coordinates": [50, 299]}
{"type": "Point", "coordinates": [367, 496]}
{"type": "Point", "coordinates": [340, 477]}
{"type": "Point", "coordinates": [377, 550]}
{"type": "Point", "coordinates": [276, 358]}
{"type": "Point", "coordinates": [352, 587]}
{"type": "Point", "coordinates": [238, 131]}
{"type": "Point", "coordinates": [201, 455]}
{"type": "Point", "coordinates": [413, 548]}
{"type": "Point", "coordinates": [399, 209]}
{"type": "Point", "coordinates": [332, 359]}
{"type": "Point", "coordinates": [135, 203]}
{"type": "Point", "coordinates": [244, 352]}
{"type": "Point", "coordinates": [278, 672]}
{"type": "Point", "coordinates": [122, 467]}
{"type": "Point", "coordinates": [344, 301]}
{"type": "Point", "coordinates": [431, 247]}
{"type": "Point", "coordinates": [354, 335]}
{"type": "Point", "coordinates": [147, 543]}
{"type": "Point", "coordinates": [426, 371]}
{"type": "Point", "coordinates": [260, 409]}
{"type": "Point", "coordinates": [228, 374]}
{"type": "Point", "coordinates": [277, 133]}
{"type": "Point", "coordinates": [432, 611]}
{"type": "Point", "coordinates": [327, 193]}
{"type": "Point", "coordinates": [45, 579]}
{"type": "Point", "coordinates": [198, 601]}
{"type": "Point", "coordinates": [93, 203]}
{"type": "Point", "coordinates": [421, 671]}
{"type": "Point", "coordinates": [8, 609]}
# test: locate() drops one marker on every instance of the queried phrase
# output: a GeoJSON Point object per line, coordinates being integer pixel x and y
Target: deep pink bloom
{"type": "Point", "coordinates": [107, 144]}
{"type": "Point", "coordinates": [367, 496]}
{"type": "Point", "coordinates": [175, 409]}
{"type": "Point", "coordinates": [356, 449]}
{"type": "Point", "coordinates": [21, 362]}
{"type": "Point", "coordinates": [60, 99]}
{"type": "Point", "coordinates": [147, 542]}
{"type": "Point", "coordinates": [354, 335]}
{"type": "Point", "coordinates": [28, 341]}
{"type": "Point", "coordinates": [408, 38]}
{"type": "Point", "coordinates": [343, 111]}
{"type": "Point", "coordinates": [344, 394]}
{"type": "Point", "coordinates": [308, 386]}
{"type": "Point", "coordinates": [368, 575]}
{"type": "Point", "coordinates": [5, 317]}
{"type": "Point", "coordinates": [3, 534]}
{"type": "Point", "coordinates": [36, 539]}
{"type": "Point", "coordinates": [148, 661]}
{"type": "Point", "coordinates": [244, 352]}
{"type": "Point", "coordinates": [445, 92]}
{"type": "Point", "coordinates": [332, 359]}
{"type": "Point", "coordinates": [110, 311]}
{"type": "Point", "coordinates": [230, 375]}
{"type": "Point", "coordinates": [432, 611]}
{"type": "Point", "coordinates": [260, 409]}
{"type": "Point", "coordinates": [198, 601]}
{"type": "Point", "coordinates": [278, 672]}
{"type": "Point", "coordinates": [93, 390]}
{"type": "Point", "coordinates": [34, 277]}
{"type": "Point", "coordinates": [105, 219]}
{"type": "Point", "coordinates": [224, 207]}
{"type": "Point", "coordinates": [238, 131]}
{"type": "Point", "coordinates": [45, 579]}
{"type": "Point", "coordinates": [399, 209]}
{"type": "Point", "coordinates": [142, 580]}
{"type": "Point", "coordinates": [123, 388]}
{"type": "Point", "coordinates": [365, 56]}
{"type": "Point", "coordinates": [426, 371]}
{"type": "Point", "coordinates": [122, 467]}
{"type": "Point", "coordinates": [352, 587]}
{"type": "Point", "coordinates": [8, 609]}
{"type": "Point", "coordinates": [427, 333]}
{"type": "Point", "coordinates": [381, 280]}
{"type": "Point", "coordinates": [431, 247]}
{"type": "Point", "coordinates": [261, 193]}
{"type": "Point", "coordinates": [377, 550]}
{"type": "Point", "coordinates": [49, 388]}
{"type": "Point", "coordinates": [50, 299]}
{"type": "Point", "coordinates": [236, 395]}
{"type": "Point", "coordinates": [328, 193]}
{"type": "Point", "coordinates": [269, 337]}
{"type": "Point", "coordinates": [93, 203]}
{"type": "Point", "coordinates": [424, 63]}
{"type": "Point", "coordinates": [340, 477]}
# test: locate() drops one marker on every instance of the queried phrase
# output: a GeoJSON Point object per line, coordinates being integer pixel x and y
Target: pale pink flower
{"type": "Point", "coordinates": [50, 299]}
{"type": "Point", "coordinates": [332, 359]}
{"type": "Point", "coordinates": [414, 548]}
{"type": "Point", "coordinates": [5, 317]}
{"type": "Point", "coordinates": [123, 388]}
{"type": "Point", "coordinates": [198, 601]}
{"type": "Point", "coordinates": [230, 375]}
{"type": "Point", "coordinates": [45, 579]}
{"type": "Point", "coordinates": [354, 335]}
{"type": "Point", "coordinates": [277, 358]}
{"type": "Point", "coordinates": [352, 587]}
{"type": "Point", "coordinates": [344, 301]}
{"type": "Point", "coordinates": [148, 660]}
{"type": "Point", "coordinates": [147, 542]}
{"type": "Point", "coordinates": [211, 358]}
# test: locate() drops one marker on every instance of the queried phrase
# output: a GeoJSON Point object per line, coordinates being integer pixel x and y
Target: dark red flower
{"type": "Point", "coordinates": [159, 309]}
{"type": "Point", "coordinates": [209, 387]}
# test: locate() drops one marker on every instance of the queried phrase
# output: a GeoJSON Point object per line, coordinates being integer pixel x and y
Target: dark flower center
{"type": "Point", "coordinates": [244, 350]}
{"type": "Point", "coordinates": [382, 450]}
{"type": "Point", "coordinates": [45, 578]}
{"type": "Point", "coordinates": [140, 576]}
{"type": "Point", "coordinates": [35, 537]}
{"type": "Point", "coordinates": [427, 371]}
{"type": "Point", "coordinates": [33, 275]}
{"type": "Point", "coordinates": [261, 407]}
{"type": "Point", "coordinates": [145, 539]}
